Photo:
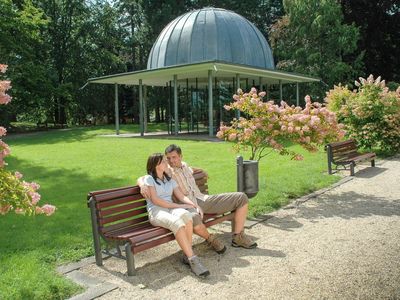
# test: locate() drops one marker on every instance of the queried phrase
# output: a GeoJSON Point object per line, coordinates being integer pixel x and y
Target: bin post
{"type": "Point", "coordinates": [239, 173]}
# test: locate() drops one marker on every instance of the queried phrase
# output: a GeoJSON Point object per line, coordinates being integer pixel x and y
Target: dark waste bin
{"type": "Point", "coordinates": [247, 176]}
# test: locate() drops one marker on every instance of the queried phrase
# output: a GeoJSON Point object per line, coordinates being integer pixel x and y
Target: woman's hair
{"type": "Point", "coordinates": [152, 162]}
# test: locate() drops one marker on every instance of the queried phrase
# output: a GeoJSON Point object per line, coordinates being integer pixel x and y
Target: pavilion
{"type": "Point", "coordinates": [205, 46]}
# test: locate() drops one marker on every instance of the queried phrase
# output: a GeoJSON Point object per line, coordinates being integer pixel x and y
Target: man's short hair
{"type": "Point", "coordinates": [172, 148]}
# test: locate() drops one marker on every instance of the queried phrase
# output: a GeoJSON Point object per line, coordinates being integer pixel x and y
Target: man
{"type": "Point", "coordinates": [218, 203]}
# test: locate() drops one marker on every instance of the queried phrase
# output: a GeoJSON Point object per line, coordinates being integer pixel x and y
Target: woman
{"type": "Point", "coordinates": [165, 213]}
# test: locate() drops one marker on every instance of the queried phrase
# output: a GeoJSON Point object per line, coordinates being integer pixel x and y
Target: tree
{"type": "Point", "coordinates": [379, 27]}
{"type": "Point", "coordinates": [311, 38]}
{"type": "Point", "coordinates": [22, 47]}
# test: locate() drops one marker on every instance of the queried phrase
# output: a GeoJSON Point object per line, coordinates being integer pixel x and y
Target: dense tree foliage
{"type": "Point", "coordinates": [312, 38]}
{"type": "Point", "coordinates": [52, 47]}
{"type": "Point", "coordinates": [379, 26]}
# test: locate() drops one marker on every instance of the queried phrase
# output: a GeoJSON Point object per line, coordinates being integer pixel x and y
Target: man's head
{"type": "Point", "coordinates": [174, 155]}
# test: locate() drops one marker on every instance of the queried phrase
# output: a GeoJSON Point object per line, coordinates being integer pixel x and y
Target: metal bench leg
{"type": "Point", "coordinates": [96, 236]}
{"type": "Point", "coordinates": [352, 165]}
{"type": "Point", "coordinates": [373, 163]}
{"type": "Point", "coordinates": [130, 261]}
{"type": "Point", "coordinates": [329, 154]}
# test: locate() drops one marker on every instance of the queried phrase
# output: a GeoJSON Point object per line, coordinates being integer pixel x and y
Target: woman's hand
{"type": "Point", "coordinates": [185, 206]}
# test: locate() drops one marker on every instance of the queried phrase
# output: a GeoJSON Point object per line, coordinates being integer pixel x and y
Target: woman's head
{"type": "Point", "coordinates": [156, 163]}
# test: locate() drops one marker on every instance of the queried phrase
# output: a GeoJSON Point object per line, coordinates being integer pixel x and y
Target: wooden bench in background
{"type": "Point", "coordinates": [119, 218]}
{"type": "Point", "coordinates": [345, 153]}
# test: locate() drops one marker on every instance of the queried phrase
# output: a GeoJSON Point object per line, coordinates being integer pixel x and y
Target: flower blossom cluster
{"type": "Point", "coordinates": [267, 124]}
{"type": "Point", "coordinates": [371, 114]}
{"type": "Point", "coordinates": [4, 86]}
{"type": "Point", "coordinates": [20, 196]}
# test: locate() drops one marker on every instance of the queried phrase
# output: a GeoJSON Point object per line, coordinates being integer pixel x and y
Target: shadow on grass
{"type": "Point", "coordinates": [67, 135]}
{"type": "Point", "coordinates": [67, 233]}
{"type": "Point", "coordinates": [72, 134]}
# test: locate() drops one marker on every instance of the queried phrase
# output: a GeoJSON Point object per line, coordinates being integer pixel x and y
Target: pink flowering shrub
{"type": "Point", "coordinates": [17, 195]}
{"type": "Point", "coordinates": [370, 114]}
{"type": "Point", "coordinates": [265, 124]}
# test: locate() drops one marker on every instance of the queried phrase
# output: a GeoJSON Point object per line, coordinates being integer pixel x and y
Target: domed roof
{"type": "Point", "coordinates": [210, 34]}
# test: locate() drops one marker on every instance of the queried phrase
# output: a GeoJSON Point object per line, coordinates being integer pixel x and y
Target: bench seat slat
{"type": "Point", "coordinates": [147, 229]}
{"type": "Point", "coordinates": [115, 233]}
{"type": "Point", "coordinates": [219, 219]}
{"type": "Point", "coordinates": [358, 158]}
{"type": "Point", "coordinates": [153, 243]}
{"type": "Point", "coordinates": [141, 237]}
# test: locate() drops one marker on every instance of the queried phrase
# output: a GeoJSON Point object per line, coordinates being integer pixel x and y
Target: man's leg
{"type": "Point", "coordinates": [238, 202]}
{"type": "Point", "coordinates": [201, 230]}
{"type": "Point", "coordinates": [240, 218]}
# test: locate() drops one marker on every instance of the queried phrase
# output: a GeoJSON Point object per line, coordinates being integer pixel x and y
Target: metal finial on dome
{"type": "Point", "coordinates": [210, 34]}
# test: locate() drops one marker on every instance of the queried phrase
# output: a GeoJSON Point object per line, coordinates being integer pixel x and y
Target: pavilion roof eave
{"type": "Point", "coordinates": [220, 69]}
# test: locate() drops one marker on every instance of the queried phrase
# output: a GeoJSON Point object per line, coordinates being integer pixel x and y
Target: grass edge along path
{"type": "Point", "coordinates": [69, 163]}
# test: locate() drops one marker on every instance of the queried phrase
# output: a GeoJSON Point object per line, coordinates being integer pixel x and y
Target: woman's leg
{"type": "Point", "coordinates": [179, 222]}
{"type": "Point", "coordinates": [189, 231]}
{"type": "Point", "coordinates": [186, 217]}
{"type": "Point", "coordinates": [183, 242]}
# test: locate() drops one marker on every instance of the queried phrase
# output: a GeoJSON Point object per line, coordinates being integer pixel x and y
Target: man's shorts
{"type": "Point", "coordinates": [220, 203]}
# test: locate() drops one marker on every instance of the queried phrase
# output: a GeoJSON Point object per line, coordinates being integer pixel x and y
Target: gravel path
{"type": "Point", "coordinates": [343, 244]}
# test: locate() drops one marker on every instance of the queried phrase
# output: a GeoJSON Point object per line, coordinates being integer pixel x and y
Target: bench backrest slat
{"type": "Point", "coordinates": [341, 151]}
{"type": "Point", "coordinates": [128, 215]}
{"type": "Point", "coordinates": [106, 195]}
{"type": "Point", "coordinates": [130, 223]}
{"type": "Point", "coordinates": [119, 201]}
{"type": "Point", "coordinates": [124, 206]}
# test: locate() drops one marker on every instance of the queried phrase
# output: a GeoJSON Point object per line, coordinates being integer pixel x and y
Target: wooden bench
{"type": "Point", "coordinates": [345, 153]}
{"type": "Point", "coordinates": [119, 218]}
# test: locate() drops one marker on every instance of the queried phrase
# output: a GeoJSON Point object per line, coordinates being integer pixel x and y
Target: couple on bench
{"type": "Point", "coordinates": [167, 176]}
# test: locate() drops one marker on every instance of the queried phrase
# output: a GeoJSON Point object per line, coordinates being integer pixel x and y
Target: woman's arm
{"type": "Point", "coordinates": [184, 199]}
{"type": "Point", "coordinates": [161, 202]}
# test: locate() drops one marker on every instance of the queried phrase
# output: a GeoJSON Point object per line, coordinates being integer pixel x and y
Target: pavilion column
{"type": "Point", "coordinates": [237, 87]}
{"type": "Point", "coordinates": [141, 107]}
{"type": "Point", "coordinates": [280, 90]}
{"type": "Point", "coordinates": [116, 110]}
{"type": "Point", "coordinates": [297, 94]}
{"type": "Point", "coordinates": [210, 105]}
{"type": "Point", "coordinates": [176, 104]}
{"type": "Point", "coordinates": [260, 84]}
{"type": "Point", "coordinates": [145, 108]}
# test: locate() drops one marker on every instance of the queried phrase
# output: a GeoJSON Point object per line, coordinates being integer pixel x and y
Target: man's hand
{"type": "Point", "coordinates": [200, 211]}
{"type": "Point", "coordinates": [144, 190]}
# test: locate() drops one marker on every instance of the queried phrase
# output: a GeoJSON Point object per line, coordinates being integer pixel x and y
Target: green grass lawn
{"type": "Point", "coordinates": [69, 163]}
